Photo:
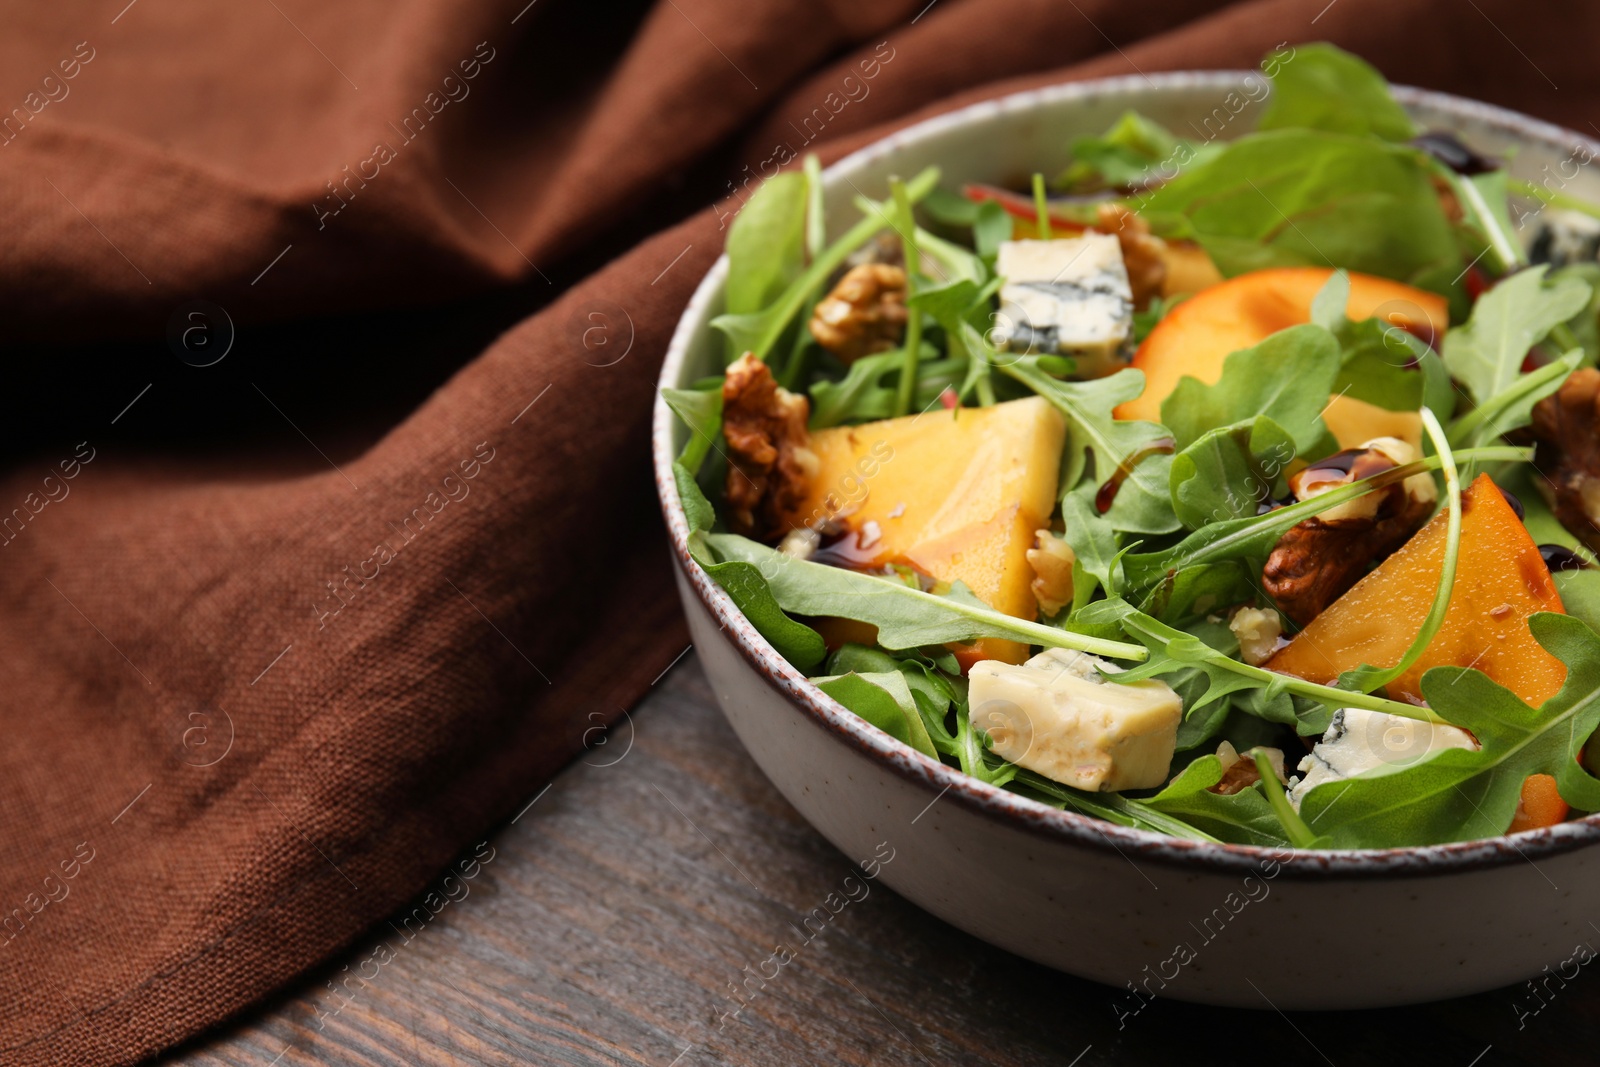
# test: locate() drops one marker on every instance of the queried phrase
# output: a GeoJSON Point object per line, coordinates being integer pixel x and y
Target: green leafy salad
{"type": "Point", "coordinates": [1239, 490]}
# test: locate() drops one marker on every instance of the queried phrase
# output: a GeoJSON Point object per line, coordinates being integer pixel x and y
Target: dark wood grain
{"type": "Point", "coordinates": [618, 912]}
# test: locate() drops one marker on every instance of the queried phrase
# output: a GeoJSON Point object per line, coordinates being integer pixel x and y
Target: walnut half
{"type": "Point", "coordinates": [1239, 770]}
{"type": "Point", "coordinates": [1566, 427]}
{"type": "Point", "coordinates": [1318, 560]}
{"type": "Point", "coordinates": [770, 460]}
{"type": "Point", "coordinates": [1052, 560]}
{"type": "Point", "coordinates": [865, 312]}
{"type": "Point", "coordinates": [1143, 253]}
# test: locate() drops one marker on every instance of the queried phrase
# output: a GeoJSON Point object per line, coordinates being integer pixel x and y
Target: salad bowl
{"type": "Point", "coordinates": [1146, 914]}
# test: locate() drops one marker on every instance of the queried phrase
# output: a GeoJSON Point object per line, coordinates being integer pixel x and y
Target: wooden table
{"type": "Point", "coordinates": [618, 911]}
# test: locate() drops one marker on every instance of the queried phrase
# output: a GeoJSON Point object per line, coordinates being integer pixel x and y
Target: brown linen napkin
{"type": "Point", "coordinates": [252, 701]}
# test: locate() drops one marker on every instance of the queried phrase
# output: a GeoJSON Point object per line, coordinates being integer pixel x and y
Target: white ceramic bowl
{"type": "Point", "coordinates": [1143, 913]}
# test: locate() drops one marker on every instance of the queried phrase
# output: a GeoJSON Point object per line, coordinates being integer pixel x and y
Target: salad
{"type": "Point", "coordinates": [1242, 491]}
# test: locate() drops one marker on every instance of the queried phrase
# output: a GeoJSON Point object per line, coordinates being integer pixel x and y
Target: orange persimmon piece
{"type": "Point", "coordinates": [1539, 806]}
{"type": "Point", "coordinates": [1500, 581]}
{"type": "Point", "coordinates": [958, 495]}
{"type": "Point", "coordinates": [1197, 335]}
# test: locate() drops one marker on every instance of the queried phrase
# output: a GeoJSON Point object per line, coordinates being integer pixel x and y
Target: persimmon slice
{"type": "Point", "coordinates": [958, 495]}
{"type": "Point", "coordinates": [1500, 581]}
{"type": "Point", "coordinates": [1197, 335]}
{"type": "Point", "coordinates": [1540, 805]}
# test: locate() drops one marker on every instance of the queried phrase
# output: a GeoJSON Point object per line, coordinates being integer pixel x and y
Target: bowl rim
{"type": "Point", "coordinates": [1012, 809]}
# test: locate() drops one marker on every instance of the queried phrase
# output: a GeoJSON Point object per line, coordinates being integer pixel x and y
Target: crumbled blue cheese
{"type": "Point", "coordinates": [1058, 716]}
{"type": "Point", "coordinates": [1069, 296]}
{"type": "Point", "coordinates": [1565, 237]}
{"type": "Point", "coordinates": [1359, 742]}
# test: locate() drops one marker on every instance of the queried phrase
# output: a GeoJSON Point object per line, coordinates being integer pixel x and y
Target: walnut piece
{"type": "Point", "coordinates": [770, 461]}
{"type": "Point", "coordinates": [1318, 560]}
{"type": "Point", "coordinates": [865, 312]}
{"type": "Point", "coordinates": [1566, 428]}
{"type": "Point", "coordinates": [1260, 633]}
{"type": "Point", "coordinates": [1239, 770]}
{"type": "Point", "coordinates": [1142, 252]}
{"type": "Point", "coordinates": [1051, 559]}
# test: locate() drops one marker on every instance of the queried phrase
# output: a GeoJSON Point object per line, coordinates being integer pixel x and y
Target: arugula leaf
{"type": "Point", "coordinates": [1137, 452]}
{"type": "Point", "coordinates": [1391, 368]}
{"type": "Point", "coordinates": [758, 331]}
{"type": "Point", "coordinates": [1286, 377]}
{"type": "Point", "coordinates": [905, 617]}
{"type": "Point", "coordinates": [1093, 540]}
{"type": "Point", "coordinates": [954, 306]}
{"type": "Point", "coordinates": [701, 411]}
{"type": "Point", "coordinates": [1248, 718]}
{"type": "Point", "coordinates": [991, 226]}
{"type": "Point", "coordinates": [1327, 88]}
{"type": "Point", "coordinates": [1253, 538]}
{"type": "Point", "coordinates": [1485, 203]}
{"type": "Point", "coordinates": [816, 221]}
{"type": "Point", "coordinates": [744, 584]}
{"type": "Point", "coordinates": [697, 510]}
{"type": "Point", "coordinates": [1208, 709]}
{"type": "Point", "coordinates": [1197, 591]}
{"type": "Point", "coordinates": [1380, 361]}
{"type": "Point", "coordinates": [933, 687]}
{"type": "Point", "coordinates": [1367, 678]}
{"type": "Point", "coordinates": [1175, 652]}
{"type": "Point", "coordinates": [1112, 807]}
{"type": "Point", "coordinates": [1580, 589]}
{"type": "Point", "coordinates": [950, 261]}
{"type": "Point", "coordinates": [1230, 472]}
{"type": "Point", "coordinates": [766, 243]}
{"type": "Point", "coordinates": [1485, 354]}
{"type": "Point", "coordinates": [934, 692]}
{"type": "Point", "coordinates": [1297, 196]}
{"type": "Point", "coordinates": [972, 752]}
{"type": "Point", "coordinates": [1041, 209]}
{"type": "Point", "coordinates": [1134, 152]}
{"type": "Point", "coordinates": [1205, 722]}
{"type": "Point", "coordinates": [851, 658]}
{"type": "Point", "coordinates": [861, 396]}
{"type": "Point", "coordinates": [1512, 408]}
{"type": "Point", "coordinates": [1245, 818]}
{"type": "Point", "coordinates": [912, 347]}
{"type": "Point", "coordinates": [988, 220]}
{"type": "Point", "coordinates": [1585, 325]}
{"type": "Point", "coordinates": [948, 302]}
{"type": "Point", "coordinates": [1328, 306]}
{"type": "Point", "coordinates": [949, 209]}
{"type": "Point", "coordinates": [935, 681]}
{"type": "Point", "coordinates": [1460, 794]}
{"type": "Point", "coordinates": [884, 699]}
{"type": "Point", "coordinates": [797, 368]}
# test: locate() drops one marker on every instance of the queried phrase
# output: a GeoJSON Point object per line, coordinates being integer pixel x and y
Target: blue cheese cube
{"type": "Point", "coordinates": [1069, 297]}
{"type": "Point", "coordinates": [1565, 237]}
{"type": "Point", "coordinates": [1362, 743]}
{"type": "Point", "coordinates": [1058, 716]}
